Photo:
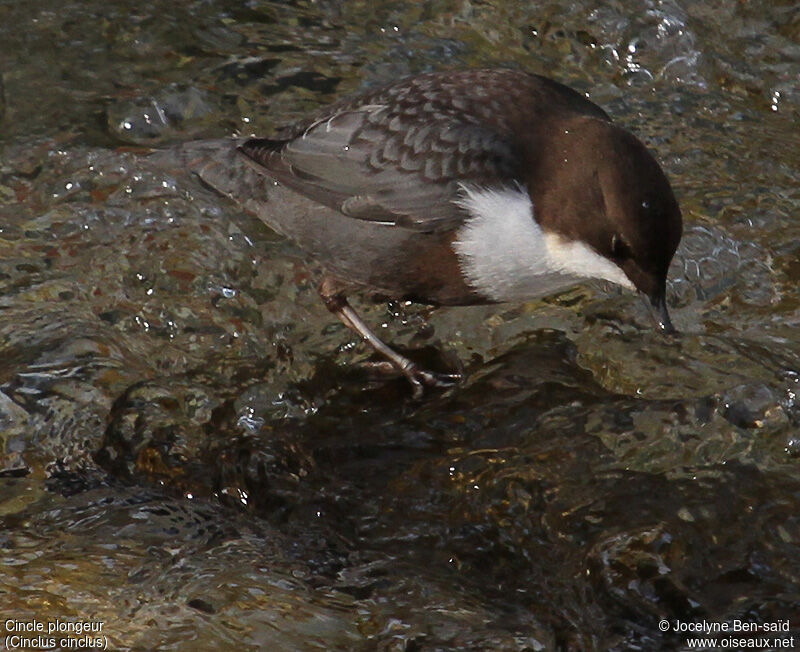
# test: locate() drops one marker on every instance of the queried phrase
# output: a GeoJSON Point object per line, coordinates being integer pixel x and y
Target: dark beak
{"type": "Point", "coordinates": [658, 303]}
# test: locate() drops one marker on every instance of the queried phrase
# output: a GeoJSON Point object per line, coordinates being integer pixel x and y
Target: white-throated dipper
{"type": "Point", "coordinates": [469, 187]}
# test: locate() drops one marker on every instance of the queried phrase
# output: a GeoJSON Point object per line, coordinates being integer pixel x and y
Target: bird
{"type": "Point", "coordinates": [465, 187]}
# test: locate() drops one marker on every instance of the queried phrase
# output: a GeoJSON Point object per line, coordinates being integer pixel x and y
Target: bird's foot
{"type": "Point", "coordinates": [419, 378]}
{"type": "Point", "coordinates": [422, 378]}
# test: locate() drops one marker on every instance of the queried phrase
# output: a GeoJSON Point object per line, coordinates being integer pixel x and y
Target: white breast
{"type": "Point", "coordinates": [506, 256]}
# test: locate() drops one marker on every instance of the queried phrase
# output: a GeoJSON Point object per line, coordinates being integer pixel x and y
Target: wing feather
{"type": "Point", "coordinates": [374, 163]}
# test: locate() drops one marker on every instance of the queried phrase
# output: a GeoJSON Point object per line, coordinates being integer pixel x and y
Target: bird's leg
{"type": "Point", "coordinates": [336, 302]}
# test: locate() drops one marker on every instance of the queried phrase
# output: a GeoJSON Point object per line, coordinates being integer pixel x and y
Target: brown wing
{"type": "Point", "coordinates": [371, 164]}
{"type": "Point", "coordinates": [398, 154]}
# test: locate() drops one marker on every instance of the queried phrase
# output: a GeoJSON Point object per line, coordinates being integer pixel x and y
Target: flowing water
{"type": "Point", "coordinates": [190, 453]}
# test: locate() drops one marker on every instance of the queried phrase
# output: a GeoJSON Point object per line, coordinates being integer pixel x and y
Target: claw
{"type": "Point", "coordinates": [418, 378]}
{"type": "Point", "coordinates": [422, 378]}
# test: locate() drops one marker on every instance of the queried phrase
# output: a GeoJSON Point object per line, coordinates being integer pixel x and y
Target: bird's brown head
{"type": "Point", "coordinates": [598, 185]}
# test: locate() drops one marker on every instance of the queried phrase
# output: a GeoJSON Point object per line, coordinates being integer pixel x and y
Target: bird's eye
{"type": "Point", "coordinates": [619, 248]}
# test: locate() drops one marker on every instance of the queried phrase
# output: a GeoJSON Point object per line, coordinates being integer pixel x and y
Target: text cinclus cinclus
{"type": "Point", "coordinates": [469, 187]}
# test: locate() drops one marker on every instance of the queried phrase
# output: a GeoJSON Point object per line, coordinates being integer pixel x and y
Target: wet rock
{"type": "Point", "coordinates": [190, 434]}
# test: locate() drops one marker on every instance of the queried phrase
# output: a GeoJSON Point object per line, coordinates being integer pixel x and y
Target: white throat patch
{"type": "Point", "coordinates": [506, 256]}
